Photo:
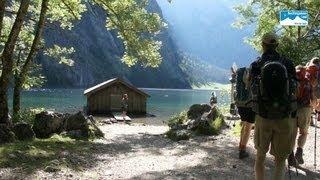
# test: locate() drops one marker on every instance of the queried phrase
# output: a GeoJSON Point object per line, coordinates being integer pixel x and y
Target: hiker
{"type": "Point", "coordinates": [273, 87]}
{"type": "Point", "coordinates": [124, 105]}
{"type": "Point", "coordinates": [313, 73]}
{"type": "Point", "coordinates": [213, 99]}
{"type": "Point", "coordinates": [305, 100]}
{"type": "Point", "coordinates": [242, 97]}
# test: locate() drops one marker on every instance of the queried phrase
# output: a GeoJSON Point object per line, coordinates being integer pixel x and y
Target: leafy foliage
{"type": "Point", "coordinates": [27, 115]}
{"type": "Point", "coordinates": [137, 28]}
{"type": "Point", "coordinates": [178, 119]}
{"type": "Point", "coordinates": [297, 43]}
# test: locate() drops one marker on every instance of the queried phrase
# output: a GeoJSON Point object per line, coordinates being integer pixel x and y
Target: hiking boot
{"type": "Point", "coordinates": [243, 154]}
{"type": "Point", "coordinates": [298, 155]}
{"type": "Point", "coordinates": [292, 160]}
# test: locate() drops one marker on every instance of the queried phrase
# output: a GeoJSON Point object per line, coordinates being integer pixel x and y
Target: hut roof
{"type": "Point", "coordinates": [111, 82]}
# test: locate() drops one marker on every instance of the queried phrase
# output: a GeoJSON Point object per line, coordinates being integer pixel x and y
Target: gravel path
{"type": "Point", "coordinates": [142, 152]}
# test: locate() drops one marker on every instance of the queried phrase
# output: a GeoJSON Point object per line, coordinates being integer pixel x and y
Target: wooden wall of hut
{"type": "Point", "coordinates": [100, 102]}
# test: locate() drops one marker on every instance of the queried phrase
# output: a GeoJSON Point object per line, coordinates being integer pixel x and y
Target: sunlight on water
{"type": "Point", "coordinates": [162, 103]}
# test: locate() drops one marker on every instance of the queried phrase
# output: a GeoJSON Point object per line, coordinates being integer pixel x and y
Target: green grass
{"type": "Point", "coordinates": [178, 119]}
{"type": "Point", "coordinates": [37, 154]}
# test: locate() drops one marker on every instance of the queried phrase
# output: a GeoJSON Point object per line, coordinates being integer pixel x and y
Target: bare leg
{"type": "Point", "coordinates": [303, 133]}
{"type": "Point", "coordinates": [245, 133]}
{"type": "Point", "coordinates": [294, 136]}
{"type": "Point", "coordinates": [259, 166]}
{"type": "Point", "coordinates": [279, 173]}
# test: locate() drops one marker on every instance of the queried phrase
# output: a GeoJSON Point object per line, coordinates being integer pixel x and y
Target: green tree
{"type": "Point", "coordinates": [22, 23]}
{"type": "Point", "coordinates": [297, 43]}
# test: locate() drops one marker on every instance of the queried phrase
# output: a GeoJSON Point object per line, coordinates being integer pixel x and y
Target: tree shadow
{"type": "Point", "coordinates": [219, 160]}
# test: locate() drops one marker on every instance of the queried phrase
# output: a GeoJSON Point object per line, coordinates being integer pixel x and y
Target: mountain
{"type": "Point", "coordinates": [200, 73]}
{"type": "Point", "coordinates": [203, 29]}
{"type": "Point", "coordinates": [98, 54]}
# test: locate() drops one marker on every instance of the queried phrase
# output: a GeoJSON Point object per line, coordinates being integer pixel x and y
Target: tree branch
{"type": "Point", "coordinates": [312, 24]}
{"type": "Point", "coordinates": [36, 40]}
{"type": "Point", "coordinates": [69, 8]}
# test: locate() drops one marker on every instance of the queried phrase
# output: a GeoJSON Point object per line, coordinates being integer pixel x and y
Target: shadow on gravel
{"type": "Point", "coordinates": [220, 161]}
{"type": "Point", "coordinates": [56, 152]}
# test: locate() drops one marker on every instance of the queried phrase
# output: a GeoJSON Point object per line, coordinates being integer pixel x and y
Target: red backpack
{"type": "Point", "coordinates": [304, 88]}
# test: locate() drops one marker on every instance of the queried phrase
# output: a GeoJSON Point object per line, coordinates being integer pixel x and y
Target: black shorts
{"type": "Point", "coordinates": [246, 114]}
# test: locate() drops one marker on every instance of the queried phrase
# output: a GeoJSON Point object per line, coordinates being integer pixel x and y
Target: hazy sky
{"type": "Point", "coordinates": [203, 29]}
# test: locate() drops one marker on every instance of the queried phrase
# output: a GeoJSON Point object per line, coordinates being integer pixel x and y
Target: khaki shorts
{"type": "Point", "coordinates": [304, 117]}
{"type": "Point", "coordinates": [277, 133]}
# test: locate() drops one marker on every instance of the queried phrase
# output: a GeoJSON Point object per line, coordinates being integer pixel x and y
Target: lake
{"type": "Point", "coordinates": [163, 102]}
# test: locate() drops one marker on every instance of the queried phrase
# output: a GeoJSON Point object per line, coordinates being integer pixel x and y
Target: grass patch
{"type": "Point", "coordinates": [37, 154]}
{"type": "Point", "coordinates": [178, 119]}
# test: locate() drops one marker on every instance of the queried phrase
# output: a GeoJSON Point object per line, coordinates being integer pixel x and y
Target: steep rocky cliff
{"type": "Point", "coordinates": [98, 54]}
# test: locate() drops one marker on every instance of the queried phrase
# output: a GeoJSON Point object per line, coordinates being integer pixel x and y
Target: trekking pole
{"type": "Point", "coordinates": [289, 171]}
{"type": "Point", "coordinates": [315, 140]}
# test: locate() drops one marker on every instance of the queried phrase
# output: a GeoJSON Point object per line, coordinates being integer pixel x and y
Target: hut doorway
{"type": "Point", "coordinates": [115, 102]}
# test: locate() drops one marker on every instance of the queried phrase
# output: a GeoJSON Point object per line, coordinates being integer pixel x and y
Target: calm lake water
{"type": "Point", "coordinates": [163, 102]}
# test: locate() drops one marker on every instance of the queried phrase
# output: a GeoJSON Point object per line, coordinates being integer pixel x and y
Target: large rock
{"type": "Point", "coordinates": [197, 110]}
{"type": "Point", "coordinates": [23, 131]}
{"type": "Point", "coordinates": [77, 121]}
{"type": "Point", "coordinates": [6, 135]}
{"type": "Point", "coordinates": [77, 134]}
{"type": "Point", "coordinates": [178, 135]}
{"type": "Point", "coordinates": [47, 123]}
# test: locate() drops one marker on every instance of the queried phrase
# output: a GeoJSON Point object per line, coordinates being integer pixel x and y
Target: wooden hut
{"type": "Point", "coordinates": [106, 97]}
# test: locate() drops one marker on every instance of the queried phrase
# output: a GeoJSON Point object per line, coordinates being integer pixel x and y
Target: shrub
{"type": "Point", "coordinates": [178, 119]}
{"type": "Point", "coordinates": [27, 115]}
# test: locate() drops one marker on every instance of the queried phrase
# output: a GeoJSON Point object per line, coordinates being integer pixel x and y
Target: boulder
{"type": "Point", "coordinates": [77, 121]}
{"type": "Point", "coordinates": [77, 134]}
{"type": "Point", "coordinates": [47, 123]}
{"type": "Point", "coordinates": [197, 110]}
{"type": "Point", "coordinates": [23, 131]}
{"type": "Point", "coordinates": [213, 113]}
{"type": "Point", "coordinates": [178, 135]}
{"type": "Point", "coordinates": [179, 126]}
{"type": "Point", "coordinates": [6, 135]}
{"type": "Point", "coordinates": [192, 124]}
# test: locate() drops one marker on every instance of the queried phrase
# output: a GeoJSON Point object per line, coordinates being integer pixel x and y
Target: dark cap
{"type": "Point", "coordinates": [270, 38]}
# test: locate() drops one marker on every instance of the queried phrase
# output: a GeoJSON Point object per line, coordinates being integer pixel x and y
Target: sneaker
{"type": "Point", "coordinates": [243, 154]}
{"type": "Point", "coordinates": [298, 155]}
{"type": "Point", "coordinates": [292, 161]}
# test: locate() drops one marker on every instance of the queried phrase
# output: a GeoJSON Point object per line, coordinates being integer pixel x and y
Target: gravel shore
{"type": "Point", "coordinates": [142, 152]}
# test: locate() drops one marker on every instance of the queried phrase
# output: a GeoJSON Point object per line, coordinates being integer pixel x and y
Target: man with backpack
{"type": "Point", "coordinates": [273, 88]}
{"type": "Point", "coordinates": [304, 99]}
{"type": "Point", "coordinates": [242, 97]}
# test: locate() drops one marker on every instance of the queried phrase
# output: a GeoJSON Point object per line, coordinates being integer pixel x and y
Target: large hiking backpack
{"type": "Point", "coordinates": [242, 93]}
{"type": "Point", "coordinates": [304, 94]}
{"type": "Point", "coordinates": [273, 98]}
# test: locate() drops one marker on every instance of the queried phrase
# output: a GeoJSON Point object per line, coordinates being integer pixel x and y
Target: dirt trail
{"type": "Point", "coordinates": [142, 152]}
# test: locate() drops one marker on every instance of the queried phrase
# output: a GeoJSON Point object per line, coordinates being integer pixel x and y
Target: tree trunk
{"type": "Point", "coordinates": [16, 97]}
{"type": "Point", "coordinates": [2, 9]}
{"type": "Point", "coordinates": [20, 78]}
{"type": "Point", "coordinates": [7, 62]}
